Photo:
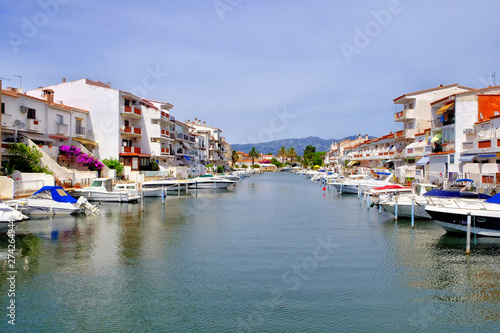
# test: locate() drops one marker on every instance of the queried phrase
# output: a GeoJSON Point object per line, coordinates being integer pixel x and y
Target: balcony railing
{"type": "Point", "coordinates": [34, 125]}
{"type": "Point", "coordinates": [404, 115]}
{"type": "Point", "coordinates": [165, 133]}
{"type": "Point", "coordinates": [131, 150]}
{"type": "Point", "coordinates": [133, 131]}
{"type": "Point", "coordinates": [6, 120]}
{"type": "Point", "coordinates": [165, 151]}
{"type": "Point", "coordinates": [129, 110]}
{"type": "Point", "coordinates": [79, 130]}
{"type": "Point", "coordinates": [62, 129]}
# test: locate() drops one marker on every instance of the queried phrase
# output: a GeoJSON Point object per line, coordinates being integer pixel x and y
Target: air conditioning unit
{"type": "Point", "coordinates": [24, 109]}
{"type": "Point", "coordinates": [468, 131]}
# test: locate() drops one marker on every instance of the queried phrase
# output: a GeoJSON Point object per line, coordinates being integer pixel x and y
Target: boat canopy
{"type": "Point", "coordinates": [456, 194]}
{"type": "Point", "coordinates": [55, 193]}
{"type": "Point", "coordinates": [494, 199]}
{"type": "Point", "coordinates": [464, 180]}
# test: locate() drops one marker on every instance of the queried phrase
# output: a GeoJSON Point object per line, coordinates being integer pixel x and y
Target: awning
{"type": "Point", "coordinates": [85, 141]}
{"type": "Point", "coordinates": [187, 157]}
{"type": "Point", "coordinates": [423, 161]}
{"type": "Point", "coordinates": [411, 145]}
{"type": "Point", "coordinates": [445, 108]}
{"type": "Point", "coordinates": [487, 155]}
{"type": "Point", "coordinates": [467, 158]}
{"type": "Point", "coordinates": [188, 147]}
{"type": "Point", "coordinates": [436, 137]}
{"type": "Point", "coordinates": [36, 137]}
{"type": "Point", "coordinates": [59, 137]}
{"type": "Point", "coordinates": [421, 144]}
{"type": "Point", "coordinates": [352, 163]}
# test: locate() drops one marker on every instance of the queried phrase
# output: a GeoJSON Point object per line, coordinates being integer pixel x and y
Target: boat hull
{"type": "Point", "coordinates": [110, 196]}
{"type": "Point", "coordinates": [211, 185]}
{"type": "Point", "coordinates": [484, 222]}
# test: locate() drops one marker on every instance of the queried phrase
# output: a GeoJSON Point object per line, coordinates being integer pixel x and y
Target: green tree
{"type": "Point", "coordinates": [292, 154]}
{"type": "Point", "coordinates": [220, 169]}
{"type": "Point", "coordinates": [234, 156]}
{"type": "Point", "coordinates": [24, 159]}
{"type": "Point", "coordinates": [253, 153]}
{"type": "Point", "coordinates": [276, 162]}
{"type": "Point", "coordinates": [113, 163]}
{"type": "Point", "coordinates": [282, 153]}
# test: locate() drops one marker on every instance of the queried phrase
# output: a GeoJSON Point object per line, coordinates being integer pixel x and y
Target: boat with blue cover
{"type": "Point", "coordinates": [452, 217]}
{"type": "Point", "coordinates": [51, 200]}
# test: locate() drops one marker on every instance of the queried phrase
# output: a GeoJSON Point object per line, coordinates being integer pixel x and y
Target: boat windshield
{"type": "Point", "coordinates": [96, 183]}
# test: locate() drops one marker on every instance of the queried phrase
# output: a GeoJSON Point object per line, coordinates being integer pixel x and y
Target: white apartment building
{"type": "Point", "coordinates": [48, 124]}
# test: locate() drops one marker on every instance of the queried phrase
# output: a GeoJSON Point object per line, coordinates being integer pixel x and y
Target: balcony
{"type": "Point", "coordinates": [131, 150]}
{"type": "Point", "coordinates": [403, 115]}
{"type": "Point", "coordinates": [165, 116]}
{"type": "Point", "coordinates": [62, 129]}
{"type": "Point", "coordinates": [34, 125]}
{"type": "Point", "coordinates": [408, 133]}
{"type": "Point", "coordinates": [165, 134]}
{"type": "Point", "coordinates": [6, 120]}
{"type": "Point", "coordinates": [131, 131]}
{"type": "Point", "coordinates": [130, 111]}
{"type": "Point", "coordinates": [165, 151]}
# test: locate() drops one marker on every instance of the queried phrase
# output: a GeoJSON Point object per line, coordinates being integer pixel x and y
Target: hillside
{"type": "Point", "coordinates": [298, 144]}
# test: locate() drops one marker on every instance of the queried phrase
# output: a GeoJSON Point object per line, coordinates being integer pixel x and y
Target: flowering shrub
{"type": "Point", "coordinates": [89, 162]}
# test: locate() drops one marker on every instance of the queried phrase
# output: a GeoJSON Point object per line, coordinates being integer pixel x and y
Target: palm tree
{"type": "Point", "coordinates": [292, 154]}
{"type": "Point", "coordinates": [234, 157]}
{"type": "Point", "coordinates": [282, 154]}
{"type": "Point", "coordinates": [253, 153]}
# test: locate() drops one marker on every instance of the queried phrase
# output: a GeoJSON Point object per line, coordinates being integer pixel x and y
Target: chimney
{"type": "Point", "coordinates": [48, 94]}
{"type": "Point", "coordinates": [204, 123]}
{"type": "Point", "coordinates": [195, 120]}
{"type": "Point", "coordinates": [63, 79]}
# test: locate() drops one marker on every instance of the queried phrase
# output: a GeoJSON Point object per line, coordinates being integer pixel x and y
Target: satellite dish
{"type": "Point", "coordinates": [17, 122]}
{"type": "Point", "coordinates": [124, 144]}
{"type": "Point", "coordinates": [481, 116]}
{"type": "Point", "coordinates": [496, 113]}
{"type": "Point", "coordinates": [22, 125]}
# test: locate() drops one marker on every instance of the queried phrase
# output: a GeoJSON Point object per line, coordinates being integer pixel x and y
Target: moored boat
{"type": "Point", "coordinates": [210, 182]}
{"type": "Point", "coordinates": [485, 216]}
{"type": "Point", "coordinates": [101, 189]}
{"type": "Point", "coordinates": [51, 200]}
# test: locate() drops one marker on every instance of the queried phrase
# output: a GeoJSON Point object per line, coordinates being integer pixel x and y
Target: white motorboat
{"type": "Point", "coordinates": [101, 189]}
{"type": "Point", "coordinates": [210, 182]}
{"type": "Point", "coordinates": [157, 188]}
{"type": "Point", "coordinates": [485, 215]}
{"type": "Point", "coordinates": [51, 200]}
{"type": "Point", "coordinates": [9, 215]}
{"type": "Point", "coordinates": [423, 195]}
{"type": "Point", "coordinates": [366, 184]}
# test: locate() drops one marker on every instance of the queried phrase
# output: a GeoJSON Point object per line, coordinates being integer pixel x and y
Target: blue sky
{"type": "Point", "coordinates": [258, 70]}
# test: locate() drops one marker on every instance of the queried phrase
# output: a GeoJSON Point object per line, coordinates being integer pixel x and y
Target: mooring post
{"type": "Point", "coordinates": [396, 209]}
{"type": "Point", "coordinates": [469, 219]}
{"type": "Point", "coordinates": [412, 212]}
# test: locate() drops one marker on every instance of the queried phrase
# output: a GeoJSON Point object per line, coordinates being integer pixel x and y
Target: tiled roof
{"type": "Point", "coordinates": [431, 89]}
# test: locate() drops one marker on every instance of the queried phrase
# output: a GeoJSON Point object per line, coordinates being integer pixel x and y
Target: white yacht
{"type": "Point", "coordinates": [210, 182]}
{"type": "Point", "coordinates": [101, 189]}
{"type": "Point", "coordinates": [157, 188]}
{"type": "Point", "coordinates": [351, 185]}
{"type": "Point", "coordinates": [51, 200]}
{"type": "Point", "coordinates": [9, 215]}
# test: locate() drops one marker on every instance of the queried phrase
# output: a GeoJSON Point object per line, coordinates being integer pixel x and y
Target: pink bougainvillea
{"type": "Point", "coordinates": [89, 162]}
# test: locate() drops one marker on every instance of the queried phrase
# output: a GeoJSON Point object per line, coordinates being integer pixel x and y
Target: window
{"type": "Point", "coordinates": [78, 126]}
{"type": "Point", "coordinates": [31, 113]}
{"type": "Point", "coordinates": [3, 107]}
{"type": "Point", "coordinates": [128, 102]}
{"type": "Point", "coordinates": [59, 119]}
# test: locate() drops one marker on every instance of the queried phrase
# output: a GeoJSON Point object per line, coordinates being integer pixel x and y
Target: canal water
{"type": "Point", "coordinates": [276, 254]}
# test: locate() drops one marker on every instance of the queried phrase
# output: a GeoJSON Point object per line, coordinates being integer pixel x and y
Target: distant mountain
{"type": "Point", "coordinates": [298, 144]}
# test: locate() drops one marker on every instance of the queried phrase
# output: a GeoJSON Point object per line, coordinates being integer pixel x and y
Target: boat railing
{"type": "Point", "coordinates": [456, 202]}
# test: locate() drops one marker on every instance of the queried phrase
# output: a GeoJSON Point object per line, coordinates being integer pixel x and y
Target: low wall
{"type": "Point", "coordinates": [6, 188]}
